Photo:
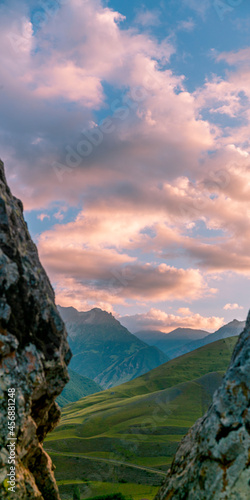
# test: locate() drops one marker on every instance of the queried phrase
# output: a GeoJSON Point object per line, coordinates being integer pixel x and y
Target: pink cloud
{"type": "Point", "coordinates": [70, 82]}
{"type": "Point", "coordinates": [237, 58]}
{"type": "Point", "coordinates": [156, 319]}
{"type": "Point", "coordinates": [72, 61]}
{"type": "Point", "coordinates": [231, 307]}
{"type": "Point", "coordinates": [43, 216]}
{"type": "Point", "coordinates": [159, 160]}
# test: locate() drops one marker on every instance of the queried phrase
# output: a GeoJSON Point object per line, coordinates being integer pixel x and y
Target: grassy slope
{"type": "Point", "coordinates": [77, 388]}
{"type": "Point", "coordinates": [91, 489]}
{"type": "Point", "coordinates": [104, 350]}
{"type": "Point", "coordinates": [138, 423]}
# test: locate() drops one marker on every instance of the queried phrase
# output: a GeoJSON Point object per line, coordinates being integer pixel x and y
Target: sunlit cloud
{"type": "Point", "coordinates": [96, 116]}
{"type": "Point", "coordinates": [156, 319]}
{"type": "Point", "coordinates": [43, 216]}
{"type": "Point", "coordinates": [232, 307]}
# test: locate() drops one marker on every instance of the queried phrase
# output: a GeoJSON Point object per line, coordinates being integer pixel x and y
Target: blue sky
{"type": "Point", "coordinates": [125, 131]}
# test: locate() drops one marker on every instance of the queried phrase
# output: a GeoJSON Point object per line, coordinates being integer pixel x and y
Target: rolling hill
{"type": "Point", "coordinates": [77, 388]}
{"type": "Point", "coordinates": [129, 434]}
{"type": "Point", "coordinates": [104, 350]}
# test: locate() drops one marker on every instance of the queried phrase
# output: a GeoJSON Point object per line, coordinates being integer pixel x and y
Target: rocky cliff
{"type": "Point", "coordinates": [33, 359]}
{"type": "Point", "coordinates": [213, 460]}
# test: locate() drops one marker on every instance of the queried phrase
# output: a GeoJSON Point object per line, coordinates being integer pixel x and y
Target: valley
{"type": "Point", "coordinates": [104, 350]}
{"type": "Point", "coordinates": [126, 436]}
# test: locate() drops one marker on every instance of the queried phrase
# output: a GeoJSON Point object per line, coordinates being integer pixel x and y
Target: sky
{"type": "Point", "coordinates": [124, 129]}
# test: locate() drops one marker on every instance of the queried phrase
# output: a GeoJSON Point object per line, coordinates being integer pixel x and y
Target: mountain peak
{"type": "Point", "coordinates": [104, 350]}
{"type": "Point", "coordinates": [93, 316]}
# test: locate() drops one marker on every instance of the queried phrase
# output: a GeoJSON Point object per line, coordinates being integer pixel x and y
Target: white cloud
{"type": "Point", "coordinates": [186, 25]}
{"type": "Point", "coordinates": [147, 17]}
{"type": "Point", "coordinates": [231, 307]}
{"type": "Point", "coordinates": [199, 6]}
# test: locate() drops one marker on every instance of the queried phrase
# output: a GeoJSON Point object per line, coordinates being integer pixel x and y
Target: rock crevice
{"type": "Point", "coordinates": [213, 460]}
{"type": "Point", "coordinates": [34, 355]}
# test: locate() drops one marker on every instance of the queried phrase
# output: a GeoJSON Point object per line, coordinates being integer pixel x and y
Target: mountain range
{"type": "Point", "coordinates": [104, 350]}
{"type": "Point", "coordinates": [167, 342]}
{"type": "Point", "coordinates": [183, 340]}
{"type": "Point", "coordinates": [108, 354]}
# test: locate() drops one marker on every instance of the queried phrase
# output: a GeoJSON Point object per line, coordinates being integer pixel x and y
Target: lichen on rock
{"type": "Point", "coordinates": [34, 355]}
{"type": "Point", "coordinates": [213, 459]}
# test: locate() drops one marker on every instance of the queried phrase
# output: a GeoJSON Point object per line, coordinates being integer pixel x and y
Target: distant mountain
{"type": "Point", "coordinates": [77, 388]}
{"type": "Point", "coordinates": [166, 342]}
{"type": "Point", "coordinates": [104, 350]}
{"type": "Point", "coordinates": [232, 329]}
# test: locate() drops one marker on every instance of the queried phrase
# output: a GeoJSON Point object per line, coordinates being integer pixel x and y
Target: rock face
{"type": "Point", "coordinates": [213, 460]}
{"type": "Point", "coordinates": [33, 357]}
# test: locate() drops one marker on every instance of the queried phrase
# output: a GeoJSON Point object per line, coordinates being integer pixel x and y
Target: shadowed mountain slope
{"type": "Point", "coordinates": [232, 329]}
{"type": "Point", "coordinates": [104, 350]}
{"type": "Point", "coordinates": [167, 342]}
{"type": "Point", "coordinates": [77, 388]}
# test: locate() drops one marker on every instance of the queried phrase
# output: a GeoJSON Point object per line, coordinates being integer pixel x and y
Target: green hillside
{"type": "Point", "coordinates": [77, 388]}
{"type": "Point", "coordinates": [104, 350]}
{"type": "Point", "coordinates": [129, 434]}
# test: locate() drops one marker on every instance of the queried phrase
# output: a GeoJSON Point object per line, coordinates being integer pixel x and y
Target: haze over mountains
{"type": "Point", "coordinates": [169, 341]}
{"type": "Point", "coordinates": [104, 350]}
{"type": "Point", "coordinates": [232, 329]}
{"type": "Point", "coordinates": [183, 340]}
{"type": "Point", "coordinates": [107, 353]}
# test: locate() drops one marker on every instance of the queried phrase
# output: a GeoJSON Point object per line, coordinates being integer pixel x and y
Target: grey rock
{"type": "Point", "coordinates": [34, 355]}
{"type": "Point", "coordinates": [213, 459]}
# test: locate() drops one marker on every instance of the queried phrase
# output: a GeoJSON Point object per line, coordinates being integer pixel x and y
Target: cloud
{"type": "Point", "coordinates": [199, 6]}
{"type": "Point", "coordinates": [104, 272]}
{"type": "Point", "coordinates": [69, 292]}
{"type": "Point", "coordinates": [186, 25]}
{"type": "Point", "coordinates": [163, 184]}
{"type": "Point", "coordinates": [43, 216]}
{"type": "Point", "coordinates": [147, 17]}
{"type": "Point", "coordinates": [184, 311]}
{"type": "Point", "coordinates": [156, 319]}
{"type": "Point", "coordinates": [235, 58]}
{"type": "Point", "coordinates": [103, 251]}
{"type": "Point", "coordinates": [231, 307]}
{"type": "Point", "coordinates": [66, 64]}
{"type": "Point", "coordinates": [113, 286]}
{"type": "Point", "coordinates": [60, 215]}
